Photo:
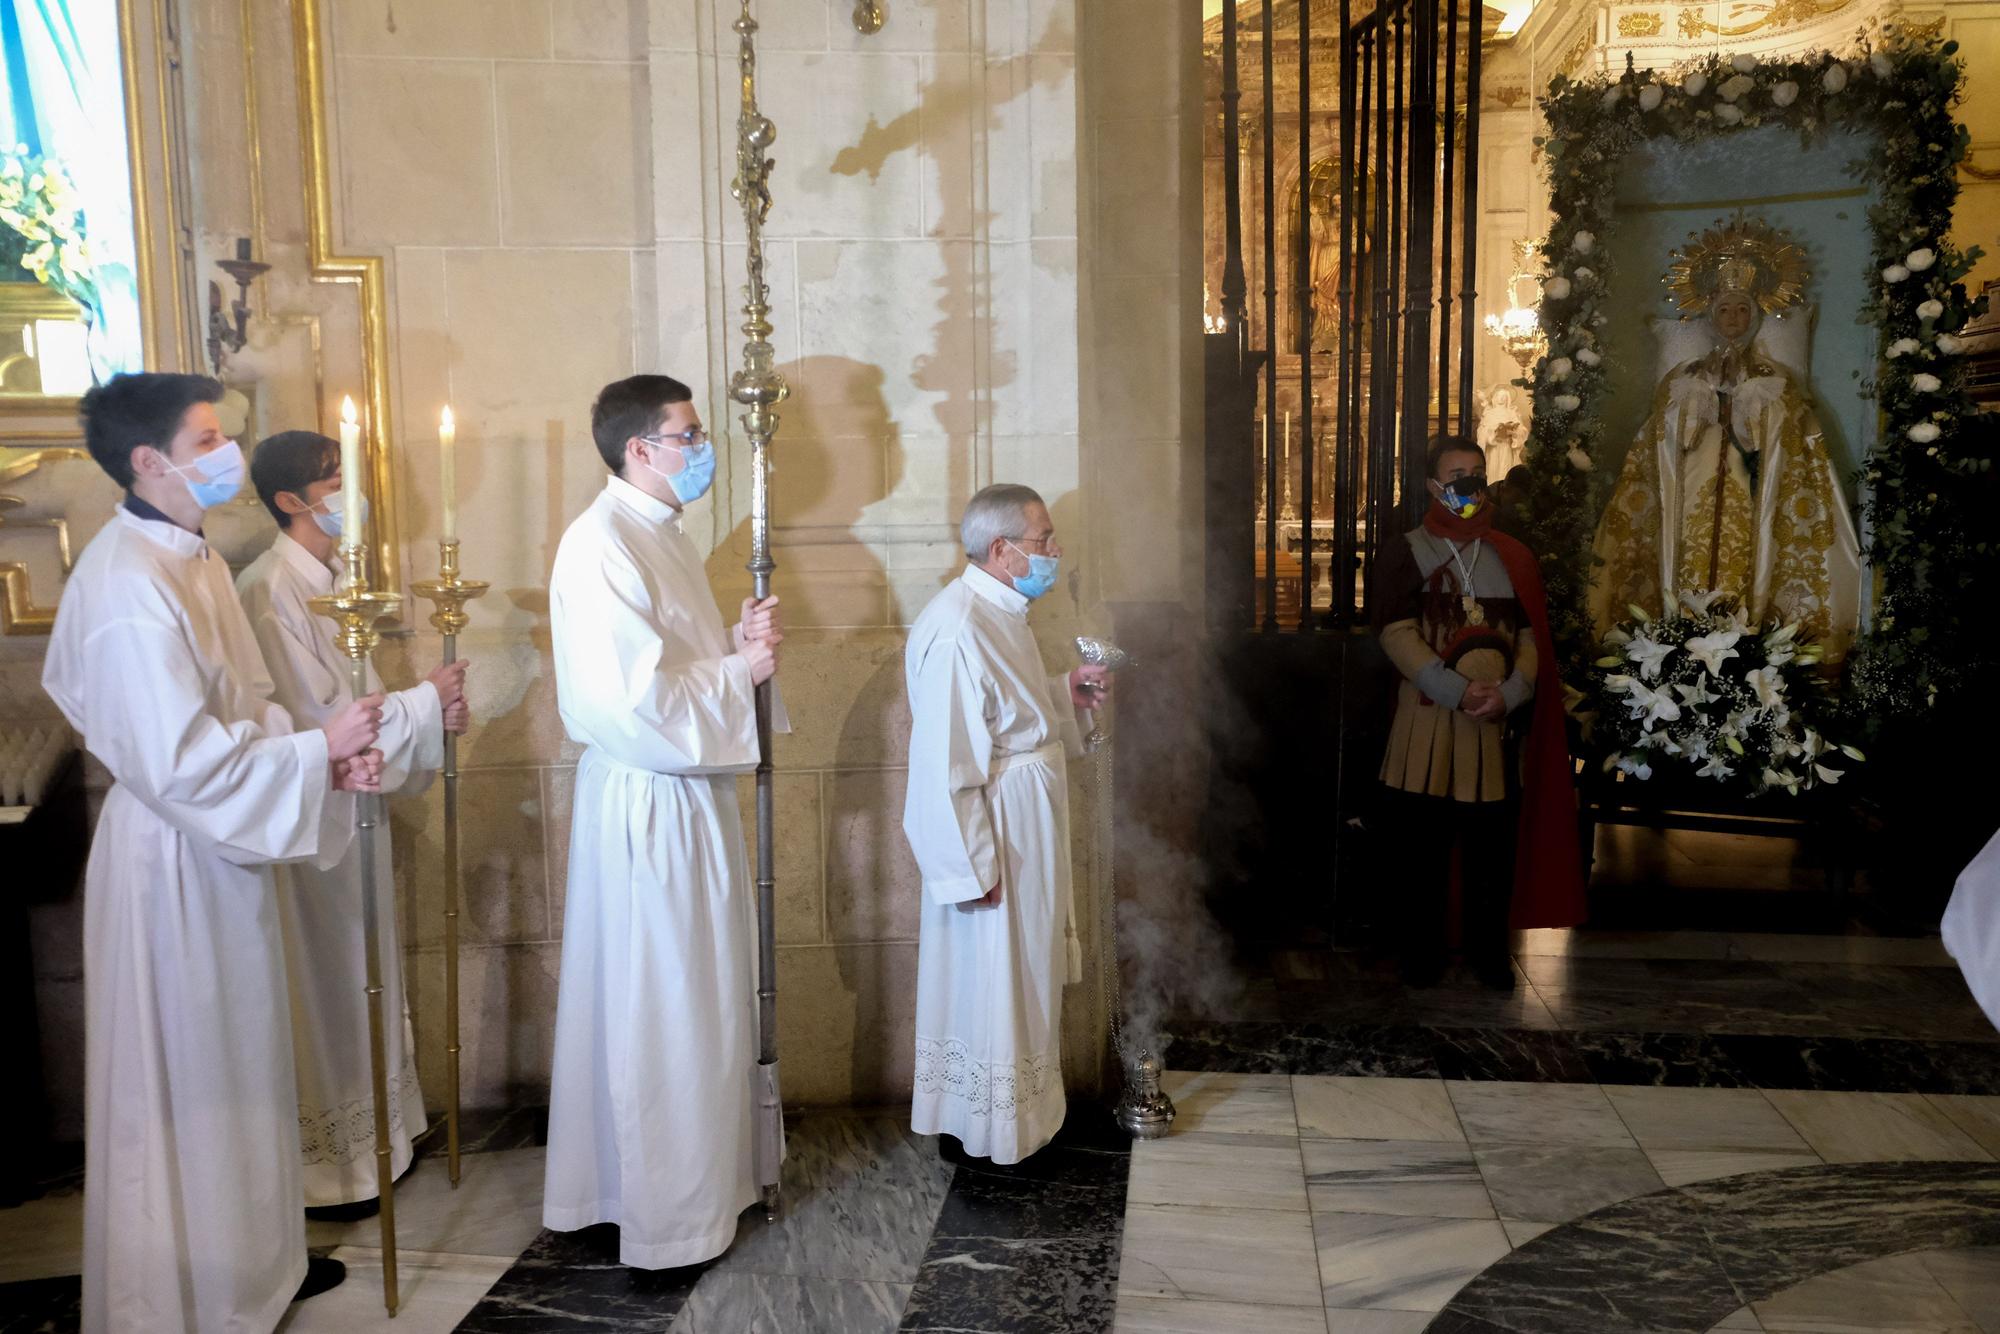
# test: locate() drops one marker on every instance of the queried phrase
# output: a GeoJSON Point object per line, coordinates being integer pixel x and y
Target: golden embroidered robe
{"type": "Point", "coordinates": [1749, 506]}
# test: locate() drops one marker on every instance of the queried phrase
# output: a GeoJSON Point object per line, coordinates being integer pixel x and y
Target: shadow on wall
{"type": "Point", "coordinates": [838, 451]}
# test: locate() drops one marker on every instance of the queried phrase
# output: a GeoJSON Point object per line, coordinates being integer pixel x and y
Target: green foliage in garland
{"type": "Point", "coordinates": [1928, 487]}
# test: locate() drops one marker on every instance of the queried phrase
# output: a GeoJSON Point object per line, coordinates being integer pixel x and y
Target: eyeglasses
{"type": "Point", "coordinates": [692, 438]}
{"type": "Point", "coordinates": [1043, 542]}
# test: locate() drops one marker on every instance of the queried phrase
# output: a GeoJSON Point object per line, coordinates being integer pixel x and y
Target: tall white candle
{"type": "Point", "coordinates": [350, 475]}
{"type": "Point", "coordinates": [448, 471]}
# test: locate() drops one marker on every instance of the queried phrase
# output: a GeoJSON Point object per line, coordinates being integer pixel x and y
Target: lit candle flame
{"type": "Point", "coordinates": [347, 413]}
{"type": "Point", "coordinates": [445, 421]}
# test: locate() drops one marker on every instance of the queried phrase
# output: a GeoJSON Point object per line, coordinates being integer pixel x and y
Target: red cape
{"type": "Point", "coordinates": [1548, 866]}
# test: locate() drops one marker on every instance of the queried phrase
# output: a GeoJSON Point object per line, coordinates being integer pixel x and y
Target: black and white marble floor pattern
{"type": "Point", "coordinates": [1776, 1133]}
{"type": "Point", "coordinates": [1368, 1205]}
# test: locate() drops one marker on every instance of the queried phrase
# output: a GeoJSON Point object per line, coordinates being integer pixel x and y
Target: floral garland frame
{"type": "Point", "coordinates": [1930, 465]}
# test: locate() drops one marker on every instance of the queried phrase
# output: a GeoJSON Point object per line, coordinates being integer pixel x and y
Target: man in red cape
{"type": "Point", "coordinates": [1478, 761]}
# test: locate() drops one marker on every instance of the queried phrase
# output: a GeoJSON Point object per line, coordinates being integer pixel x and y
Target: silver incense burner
{"type": "Point", "coordinates": [1100, 653]}
{"type": "Point", "coordinates": [1144, 1110]}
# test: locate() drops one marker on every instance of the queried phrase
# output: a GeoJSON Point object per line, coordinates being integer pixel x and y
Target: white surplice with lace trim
{"type": "Point", "coordinates": [988, 803]}
{"type": "Point", "coordinates": [320, 910]}
{"type": "Point", "coordinates": [192, 1216]}
{"type": "Point", "coordinates": [651, 1118]}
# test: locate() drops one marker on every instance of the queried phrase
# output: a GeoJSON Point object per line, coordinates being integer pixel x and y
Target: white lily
{"type": "Point", "coordinates": [1769, 685]}
{"type": "Point", "coordinates": [1694, 694]}
{"type": "Point", "coordinates": [1649, 653]}
{"type": "Point", "coordinates": [1651, 706]}
{"type": "Point", "coordinates": [1714, 650]}
{"type": "Point", "coordinates": [1714, 768]}
{"type": "Point", "coordinates": [1698, 601]}
{"type": "Point", "coordinates": [1827, 775]}
{"type": "Point", "coordinates": [1780, 778]}
{"type": "Point", "coordinates": [1639, 769]}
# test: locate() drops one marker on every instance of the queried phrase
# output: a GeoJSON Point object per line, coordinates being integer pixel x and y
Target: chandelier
{"type": "Point", "coordinates": [1520, 328]}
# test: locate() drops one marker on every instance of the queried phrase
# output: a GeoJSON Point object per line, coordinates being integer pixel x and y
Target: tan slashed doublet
{"type": "Point", "coordinates": [1434, 749]}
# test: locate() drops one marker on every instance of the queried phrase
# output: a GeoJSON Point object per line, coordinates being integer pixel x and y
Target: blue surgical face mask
{"type": "Point", "coordinates": [1041, 575]}
{"type": "Point", "coordinates": [697, 472]}
{"type": "Point", "coordinates": [334, 519]}
{"type": "Point", "coordinates": [220, 472]}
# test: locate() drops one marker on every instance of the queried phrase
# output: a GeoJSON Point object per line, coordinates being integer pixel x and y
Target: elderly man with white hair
{"type": "Point", "coordinates": [987, 817]}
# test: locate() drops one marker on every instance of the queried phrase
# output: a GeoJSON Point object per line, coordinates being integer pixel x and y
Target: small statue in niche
{"type": "Point", "coordinates": [1503, 431]}
{"type": "Point", "coordinates": [1729, 487]}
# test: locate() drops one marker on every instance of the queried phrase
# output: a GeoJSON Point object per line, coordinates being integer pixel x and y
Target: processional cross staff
{"type": "Point", "coordinates": [759, 388]}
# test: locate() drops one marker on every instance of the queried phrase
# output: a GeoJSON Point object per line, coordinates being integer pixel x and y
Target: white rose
{"type": "Point", "coordinates": [1567, 402]}
{"type": "Point", "coordinates": [1734, 87]}
{"type": "Point", "coordinates": [1586, 275]}
{"type": "Point", "coordinates": [1588, 356]}
{"type": "Point", "coordinates": [1584, 242]}
{"type": "Point", "coordinates": [1649, 97]}
{"type": "Point", "coordinates": [1879, 62]}
{"type": "Point", "coordinates": [1902, 347]}
{"type": "Point", "coordinates": [1559, 369]}
{"type": "Point", "coordinates": [1950, 345]}
{"type": "Point", "coordinates": [1920, 260]}
{"type": "Point", "coordinates": [1694, 84]}
{"type": "Point", "coordinates": [1580, 460]}
{"type": "Point", "coordinates": [1785, 94]}
{"type": "Point", "coordinates": [1930, 310]}
{"type": "Point", "coordinates": [1729, 114]}
{"type": "Point", "coordinates": [1926, 383]}
{"type": "Point", "coordinates": [1743, 64]}
{"type": "Point", "coordinates": [1923, 432]}
{"type": "Point", "coordinates": [1557, 288]}
{"type": "Point", "coordinates": [1895, 273]}
{"type": "Point", "coordinates": [1835, 78]}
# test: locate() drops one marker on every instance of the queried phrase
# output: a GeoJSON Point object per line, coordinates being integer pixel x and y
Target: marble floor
{"type": "Point", "coordinates": [1667, 1131]}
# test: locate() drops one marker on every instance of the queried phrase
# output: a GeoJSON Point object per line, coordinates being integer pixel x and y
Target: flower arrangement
{"type": "Point", "coordinates": [1928, 485]}
{"type": "Point", "coordinates": [1701, 691]}
{"type": "Point", "coordinates": [44, 231]}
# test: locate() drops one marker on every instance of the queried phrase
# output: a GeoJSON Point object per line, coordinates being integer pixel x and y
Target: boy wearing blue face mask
{"type": "Point", "coordinates": [297, 476]}
{"type": "Point", "coordinates": [650, 1110]}
{"type": "Point", "coordinates": [192, 1211]}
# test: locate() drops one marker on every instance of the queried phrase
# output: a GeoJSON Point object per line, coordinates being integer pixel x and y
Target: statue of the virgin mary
{"type": "Point", "coordinates": [1729, 487]}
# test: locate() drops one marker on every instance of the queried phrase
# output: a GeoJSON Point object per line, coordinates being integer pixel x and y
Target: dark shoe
{"type": "Point", "coordinates": [321, 1275]}
{"type": "Point", "coordinates": [1495, 974]}
{"type": "Point", "coordinates": [343, 1213]}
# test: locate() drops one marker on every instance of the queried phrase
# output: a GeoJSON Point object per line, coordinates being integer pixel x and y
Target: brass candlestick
{"type": "Point", "coordinates": [356, 609]}
{"type": "Point", "coordinates": [450, 593]}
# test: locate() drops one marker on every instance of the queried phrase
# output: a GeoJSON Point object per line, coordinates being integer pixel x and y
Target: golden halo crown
{"type": "Point", "coordinates": [1741, 254]}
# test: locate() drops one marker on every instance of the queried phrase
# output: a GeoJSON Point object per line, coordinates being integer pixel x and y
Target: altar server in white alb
{"type": "Point", "coordinates": [987, 816]}
{"type": "Point", "coordinates": [192, 1206]}
{"type": "Point", "coordinates": [1971, 927]}
{"type": "Point", "coordinates": [650, 1115]}
{"type": "Point", "coordinates": [297, 476]}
